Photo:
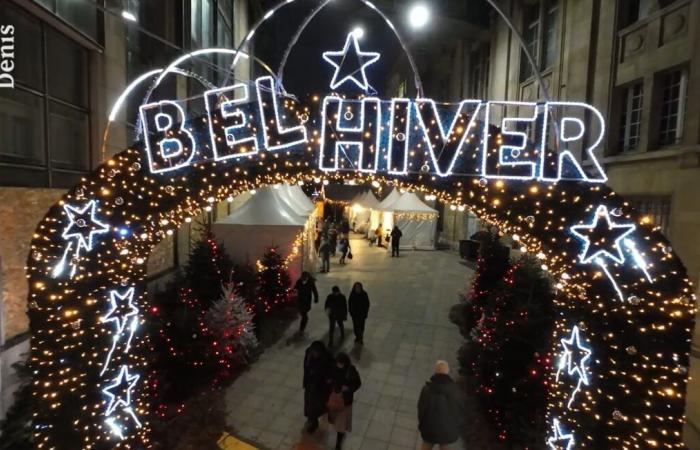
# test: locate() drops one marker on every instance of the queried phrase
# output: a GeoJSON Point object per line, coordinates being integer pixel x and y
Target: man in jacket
{"type": "Point", "coordinates": [324, 251]}
{"type": "Point", "coordinates": [439, 409]}
{"type": "Point", "coordinates": [358, 305]}
{"type": "Point", "coordinates": [306, 289]}
{"type": "Point", "coordinates": [337, 309]}
{"type": "Point", "coordinates": [395, 240]}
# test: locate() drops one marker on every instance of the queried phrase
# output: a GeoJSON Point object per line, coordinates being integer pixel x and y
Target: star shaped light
{"type": "Point", "coordinates": [350, 63]}
{"type": "Point", "coordinates": [123, 384]}
{"type": "Point", "coordinates": [121, 308]}
{"type": "Point", "coordinates": [574, 360]}
{"type": "Point", "coordinates": [560, 441]}
{"type": "Point", "coordinates": [602, 238]}
{"type": "Point", "coordinates": [83, 225]}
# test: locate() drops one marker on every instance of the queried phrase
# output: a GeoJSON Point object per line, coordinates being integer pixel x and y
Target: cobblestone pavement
{"type": "Point", "coordinates": [407, 331]}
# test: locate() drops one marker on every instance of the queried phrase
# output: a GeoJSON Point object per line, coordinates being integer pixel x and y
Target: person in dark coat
{"type": "Point", "coordinates": [345, 227]}
{"type": "Point", "coordinates": [306, 289]}
{"type": "Point", "coordinates": [344, 247]}
{"type": "Point", "coordinates": [395, 241]}
{"type": "Point", "coordinates": [440, 410]}
{"type": "Point", "coordinates": [324, 251]}
{"type": "Point", "coordinates": [344, 379]}
{"type": "Point", "coordinates": [358, 306]}
{"type": "Point", "coordinates": [337, 309]}
{"type": "Point", "coordinates": [318, 363]}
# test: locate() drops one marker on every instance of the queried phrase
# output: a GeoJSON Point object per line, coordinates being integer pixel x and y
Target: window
{"type": "Point", "coordinates": [673, 98]}
{"type": "Point", "coordinates": [80, 14]}
{"type": "Point", "coordinates": [539, 35]}
{"type": "Point", "coordinates": [44, 121]}
{"type": "Point", "coordinates": [631, 117]}
{"type": "Point", "coordinates": [656, 208]}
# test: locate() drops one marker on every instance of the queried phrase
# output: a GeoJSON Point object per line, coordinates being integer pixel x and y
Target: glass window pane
{"type": "Point", "coordinates": [27, 46]}
{"type": "Point", "coordinates": [70, 146]}
{"type": "Point", "coordinates": [80, 14]}
{"type": "Point", "coordinates": [550, 34]}
{"type": "Point", "coordinates": [21, 127]}
{"type": "Point", "coordinates": [68, 69]}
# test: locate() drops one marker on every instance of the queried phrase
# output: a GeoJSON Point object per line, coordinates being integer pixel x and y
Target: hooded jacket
{"type": "Point", "coordinates": [440, 412]}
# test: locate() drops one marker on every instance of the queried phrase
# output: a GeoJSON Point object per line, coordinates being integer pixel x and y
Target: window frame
{"type": "Point", "coordinates": [680, 112]}
{"type": "Point", "coordinates": [627, 110]}
{"type": "Point", "coordinates": [525, 71]}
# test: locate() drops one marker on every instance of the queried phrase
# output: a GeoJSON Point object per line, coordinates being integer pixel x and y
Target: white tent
{"type": "Point", "coordinates": [376, 216]}
{"type": "Point", "coordinates": [267, 219]}
{"type": "Point", "coordinates": [360, 211]}
{"type": "Point", "coordinates": [416, 220]}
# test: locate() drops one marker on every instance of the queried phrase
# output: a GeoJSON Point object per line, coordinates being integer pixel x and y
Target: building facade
{"type": "Point", "coordinates": [72, 60]}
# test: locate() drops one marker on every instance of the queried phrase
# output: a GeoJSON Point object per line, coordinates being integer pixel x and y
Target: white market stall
{"type": "Point", "coordinates": [377, 214]}
{"type": "Point", "coordinates": [416, 220]}
{"type": "Point", "coordinates": [360, 211]}
{"type": "Point", "coordinates": [273, 216]}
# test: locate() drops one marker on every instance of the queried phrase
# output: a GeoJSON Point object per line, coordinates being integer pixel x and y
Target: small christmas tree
{"type": "Point", "coordinates": [230, 322]}
{"type": "Point", "coordinates": [273, 280]}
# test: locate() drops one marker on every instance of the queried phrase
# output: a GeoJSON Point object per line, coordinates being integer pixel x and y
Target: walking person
{"type": "Point", "coordinates": [440, 410]}
{"type": "Point", "coordinates": [337, 309]}
{"type": "Point", "coordinates": [333, 238]}
{"type": "Point", "coordinates": [324, 251]}
{"type": "Point", "coordinates": [378, 235]}
{"type": "Point", "coordinates": [318, 363]}
{"type": "Point", "coordinates": [358, 305]}
{"type": "Point", "coordinates": [395, 241]}
{"type": "Point", "coordinates": [344, 382]}
{"type": "Point", "coordinates": [306, 289]}
{"type": "Point", "coordinates": [344, 247]}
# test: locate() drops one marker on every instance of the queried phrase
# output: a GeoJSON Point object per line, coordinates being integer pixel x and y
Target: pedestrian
{"type": "Point", "coordinates": [333, 238]}
{"type": "Point", "coordinates": [439, 409]}
{"type": "Point", "coordinates": [395, 240]}
{"type": "Point", "coordinates": [306, 289]}
{"type": "Point", "coordinates": [378, 235]}
{"type": "Point", "coordinates": [318, 363]}
{"type": "Point", "coordinates": [337, 309]}
{"type": "Point", "coordinates": [358, 306]}
{"type": "Point", "coordinates": [344, 382]}
{"type": "Point", "coordinates": [324, 251]}
{"type": "Point", "coordinates": [345, 227]}
{"type": "Point", "coordinates": [344, 247]}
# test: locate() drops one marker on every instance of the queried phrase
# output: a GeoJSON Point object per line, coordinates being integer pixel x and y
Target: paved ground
{"type": "Point", "coordinates": [407, 330]}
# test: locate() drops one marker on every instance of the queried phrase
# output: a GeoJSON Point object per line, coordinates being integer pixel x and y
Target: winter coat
{"type": "Point", "coordinates": [344, 246]}
{"type": "Point", "coordinates": [337, 306]}
{"type": "Point", "coordinates": [440, 411]}
{"type": "Point", "coordinates": [305, 291]}
{"type": "Point", "coordinates": [347, 376]}
{"type": "Point", "coordinates": [358, 304]}
{"type": "Point", "coordinates": [317, 371]}
{"type": "Point", "coordinates": [396, 236]}
{"type": "Point", "coordinates": [324, 250]}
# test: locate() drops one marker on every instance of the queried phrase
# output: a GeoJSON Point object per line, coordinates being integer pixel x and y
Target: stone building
{"type": "Point", "coordinates": [72, 61]}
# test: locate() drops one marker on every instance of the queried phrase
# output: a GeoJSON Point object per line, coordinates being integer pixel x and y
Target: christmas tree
{"type": "Point", "coordinates": [273, 280]}
{"type": "Point", "coordinates": [16, 427]}
{"type": "Point", "coordinates": [230, 323]}
{"type": "Point", "coordinates": [507, 359]}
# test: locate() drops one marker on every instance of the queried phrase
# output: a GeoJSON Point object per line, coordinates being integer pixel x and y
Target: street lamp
{"type": "Point", "coordinates": [418, 15]}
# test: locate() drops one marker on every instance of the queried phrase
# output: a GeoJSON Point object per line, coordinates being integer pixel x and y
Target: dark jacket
{"type": "Point", "coordinates": [396, 236]}
{"type": "Point", "coordinates": [337, 306]}
{"type": "Point", "coordinates": [305, 291]}
{"type": "Point", "coordinates": [317, 371]}
{"type": "Point", "coordinates": [349, 377]}
{"type": "Point", "coordinates": [358, 304]}
{"type": "Point", "coordinates": [344, 246]}
{"type": "Point", "coordinates": [324, 249]}
{"type": "Point", "coordinates": [440, 411]}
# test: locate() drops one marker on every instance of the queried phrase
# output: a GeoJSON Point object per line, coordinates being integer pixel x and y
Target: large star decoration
{"type": "Point", "coordinates": [574, 360]}
{"type": "Point", "coordinates": [121, 308]}
{"type": "Point", "coordinates": [350, 63]}
{"type": "Point", "coordinates": [602, 237]}
{"type": "Point", "coordinates": [123, 384]}
{"type": "Point", "coordinates": [83, 225]}
{"type": "Point", "coordinates": [560, 441]}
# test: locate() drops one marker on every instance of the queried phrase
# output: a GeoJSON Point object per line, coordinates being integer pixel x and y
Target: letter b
{"type": "Point", "coordinates": [169, 145]}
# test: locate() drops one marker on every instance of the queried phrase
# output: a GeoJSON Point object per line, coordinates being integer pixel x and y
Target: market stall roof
{"type": "Point", "coordinates": [368, 200]}
{"type": "Point", "coordinates": [266, 207]}
{"type": "Point", "coordinates": [393, 196]}
{"type": "Point", "coordinates": [301, 199]}
{"type": "Point", "coordinates": [409, 202]}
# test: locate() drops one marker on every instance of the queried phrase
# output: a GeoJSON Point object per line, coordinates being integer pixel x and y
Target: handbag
{"type": "Point", "coordinates": [349, 255]}
{"type": "Point", "coordinates": [336, 402]}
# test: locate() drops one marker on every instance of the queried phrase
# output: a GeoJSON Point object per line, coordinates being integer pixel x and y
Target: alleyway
{"type": "Point", "coordinates": [407, 330]}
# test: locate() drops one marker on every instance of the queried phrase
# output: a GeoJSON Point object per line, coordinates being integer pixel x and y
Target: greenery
{"type": "Point", "coordinates": [16, 428]}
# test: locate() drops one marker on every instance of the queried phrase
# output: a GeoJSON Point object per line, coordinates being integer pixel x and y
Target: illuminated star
{"type": "Point", "coordinates": [602, 238]}
{"type": "Point", "coordinates": [560, 441]}
{"type": "Point", "coordinates": [574, 360]}
{"type": "Point", "coordinates": [83, 225]}
{"type": "Point", "coordinates": [123, 384]}
{"type": "Point", "coordinates": [122, 307]}
{"type": "Point", "coordinates": [350, 63]}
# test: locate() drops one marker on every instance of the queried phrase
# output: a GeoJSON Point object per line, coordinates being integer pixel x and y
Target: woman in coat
{"type": "Point", "coordinates": [344, 382]}
{"type": "Point", "coordinates": [318, 363]}
{"type": "Point", "coordinates": [358, 306]}
{"type": "Point", "coordinates": [306, 291]}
